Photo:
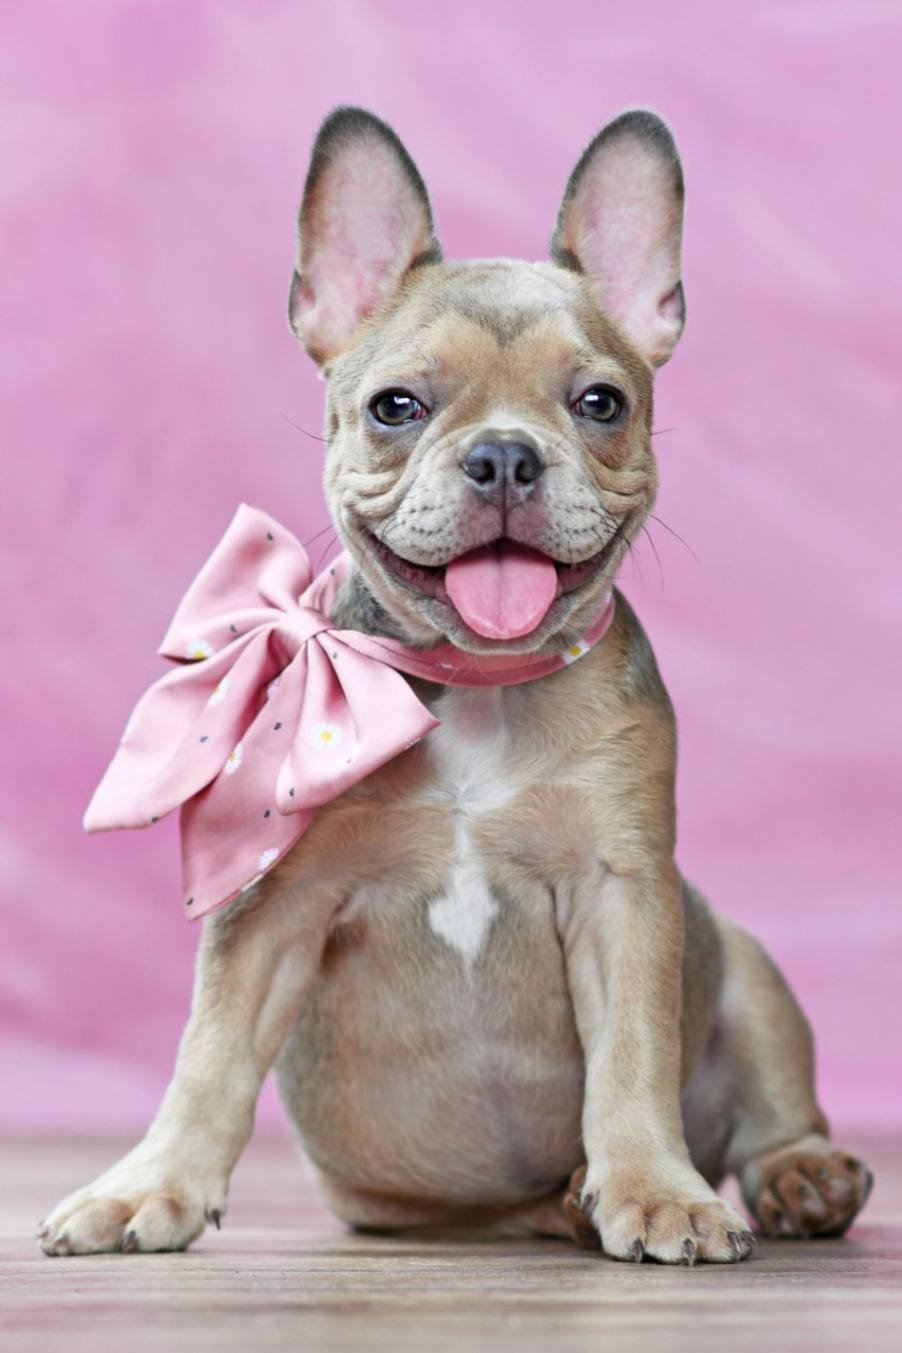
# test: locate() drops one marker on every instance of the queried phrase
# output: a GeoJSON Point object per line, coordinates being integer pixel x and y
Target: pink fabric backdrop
{"type": "Point", "coordinates": [153, 157]}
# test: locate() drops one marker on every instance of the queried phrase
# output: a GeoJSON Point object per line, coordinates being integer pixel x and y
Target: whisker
{"type": "Point", "coordinates": [633, 558]}
{"type": "Point", "coordinates": [312, 435]}
{"type": "Point", "coordinates": [659, 432]}
{"type": "Point", "coordinates": [329, 526]}
{"type": "Point", "coordinates": [647, 533]}
{"type": "Point", "coordinates": [386, 528]}
{"type": "Point", "coordinates": [676, 535]}
{"type": "Point", "coordinates": [325, 552]}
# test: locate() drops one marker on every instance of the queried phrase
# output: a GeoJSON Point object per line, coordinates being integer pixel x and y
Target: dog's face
{"type": "Point", "coordinates": [488, 423]}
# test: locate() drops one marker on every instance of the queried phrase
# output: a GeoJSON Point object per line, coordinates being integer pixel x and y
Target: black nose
{"type": "Point", "coordinates": [501, 468]}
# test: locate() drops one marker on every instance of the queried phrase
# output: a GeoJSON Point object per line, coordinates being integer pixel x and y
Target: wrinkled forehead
{"type": "Point", "coordinates": [492, 320]}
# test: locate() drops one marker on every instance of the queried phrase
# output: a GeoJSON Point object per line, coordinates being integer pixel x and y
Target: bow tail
{"type": "Point", "coordinates": [217, 864]}
{"type": "Point", "coordinates": [232, 832]}
{"type": "Point", "coordinates": [356, 715]}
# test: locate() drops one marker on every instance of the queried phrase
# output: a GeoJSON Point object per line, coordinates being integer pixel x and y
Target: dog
{"type": "Point", "coordinates": [493, 1003]}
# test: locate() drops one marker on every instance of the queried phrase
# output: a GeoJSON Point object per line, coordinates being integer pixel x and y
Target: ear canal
{"type": "Point", "coordinates": [364, 223]}
{"type": "Point", "coordinates": [621, 224]}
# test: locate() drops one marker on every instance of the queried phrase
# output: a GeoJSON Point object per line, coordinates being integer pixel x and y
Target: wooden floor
{"type": "Point", "coordinates": [283, 1275]}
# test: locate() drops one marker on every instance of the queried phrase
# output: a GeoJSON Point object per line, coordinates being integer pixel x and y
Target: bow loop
{"type": "Point", "coordinates": [254, 577]}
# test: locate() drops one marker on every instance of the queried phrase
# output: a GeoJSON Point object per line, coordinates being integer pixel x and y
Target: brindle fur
{"type": "Point", "coordinates": [592, 1019]}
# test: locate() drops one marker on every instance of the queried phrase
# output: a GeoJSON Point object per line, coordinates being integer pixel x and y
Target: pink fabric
{"type": "Point", "coordinates": [151, 172]}
{"type": "Point", "coordinates": [274, 711]}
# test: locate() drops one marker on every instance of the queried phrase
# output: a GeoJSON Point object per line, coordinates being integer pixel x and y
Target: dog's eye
{"type": "Point", "coordinates": [394, 407]}
{"type": "Point", "coordinates": [601, 403]}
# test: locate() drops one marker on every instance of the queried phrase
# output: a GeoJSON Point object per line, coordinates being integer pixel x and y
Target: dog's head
{"type": "Point", "coordinates": [488, 423]}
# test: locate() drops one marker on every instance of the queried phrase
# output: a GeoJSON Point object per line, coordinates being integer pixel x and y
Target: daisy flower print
{"type": "Point", "coordinates": [220, 692]}
{"type": "Point", "coordinates": [325, 735]}
{"type": "Point", "coordinates": [233, 761]}
{"type": "Point", "coordinates": [574, 651]}
{"type": "Point", "coordinates": [198, 649]}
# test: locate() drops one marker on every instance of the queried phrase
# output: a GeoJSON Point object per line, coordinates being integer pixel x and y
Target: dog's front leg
{"type": "Point", "coordinates": [623, 941]}
{"type": "Point", "coordinates": [254, 963]}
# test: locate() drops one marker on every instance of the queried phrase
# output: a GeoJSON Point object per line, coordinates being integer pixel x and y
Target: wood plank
{"type": "Point", "coordinates": [284, 1274]}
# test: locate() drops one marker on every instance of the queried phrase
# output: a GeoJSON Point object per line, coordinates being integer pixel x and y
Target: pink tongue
{"type": "Point", "coordinates": [502, 590]}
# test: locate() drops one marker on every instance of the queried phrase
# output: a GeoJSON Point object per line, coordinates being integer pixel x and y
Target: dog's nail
{"type": "Point", "coordinates": [60, 1244]}
{"type": "Point", "coordinates": [637, 1251]}
{"type": "Point", "coordinates": [868, 1184]}
{"type": "Point", "coordinates": [43, 1228]}
{"type": "Point", "coordinates": [750, 1239]}
{"type": "Point", "coordinates": [130, 1243]}
{"type": "Point", "coordinates": [587, 1202]}
{"type": "Point", "coordinates": [690, 1253]}
{"type": "Point", "coordinates": [213, 1215]}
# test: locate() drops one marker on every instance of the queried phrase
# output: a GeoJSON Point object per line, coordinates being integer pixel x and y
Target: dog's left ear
{"type": "Point", "coordinates": [621, 223]}
{"type": "Point", "coordinates": [365, 221]}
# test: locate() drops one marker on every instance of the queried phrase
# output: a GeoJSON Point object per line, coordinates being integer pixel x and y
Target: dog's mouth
{"type": "Point", "coordinates": [502, 590]}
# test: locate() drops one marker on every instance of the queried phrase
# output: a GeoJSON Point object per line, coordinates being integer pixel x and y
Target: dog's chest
{"type": "Point", "coordinates": [472, 773]}
{"type": "Point", "coordinates": [472, 835]}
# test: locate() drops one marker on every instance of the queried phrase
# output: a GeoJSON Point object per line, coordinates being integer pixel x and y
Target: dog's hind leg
{"type": "Point", "coordinates": [750, 1107]}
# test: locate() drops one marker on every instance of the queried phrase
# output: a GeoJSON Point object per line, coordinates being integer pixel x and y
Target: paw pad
{"type": "Point", "coordinates": [812, 1195]}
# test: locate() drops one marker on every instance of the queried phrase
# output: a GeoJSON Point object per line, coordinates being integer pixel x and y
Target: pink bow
{"type": "Point", "coordinates": [272, 712]}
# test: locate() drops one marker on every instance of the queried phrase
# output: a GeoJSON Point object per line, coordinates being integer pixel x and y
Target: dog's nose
{"type": "Point", "coordinates": [501, 468]}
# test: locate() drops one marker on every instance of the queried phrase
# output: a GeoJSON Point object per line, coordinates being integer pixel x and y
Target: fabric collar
{"type": "Point", "coordinates": [273, 711]}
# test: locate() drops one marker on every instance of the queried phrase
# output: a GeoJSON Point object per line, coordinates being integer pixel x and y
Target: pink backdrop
{"type": "Point", "coordinates": [153, 158]}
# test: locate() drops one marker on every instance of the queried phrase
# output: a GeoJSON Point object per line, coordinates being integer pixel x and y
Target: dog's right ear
{"type": "Point", "coordinates": [364, 222]}
{"type": "Point", "coordinates": [621, 224]}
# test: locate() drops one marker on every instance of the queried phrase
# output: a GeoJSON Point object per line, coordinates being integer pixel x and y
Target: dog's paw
{"type": "Point", "coordinates": [673, 1224]}
{"type": "Point", "coordinates": [145, 1203]}
{"type": "Point", "coordinates": [810, 1195]}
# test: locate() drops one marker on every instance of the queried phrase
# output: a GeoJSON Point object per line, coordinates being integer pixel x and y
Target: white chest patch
{"type": "Point", "coordinates": [463, 917]}
{"type": "Point", "coordinates": [468, 753]}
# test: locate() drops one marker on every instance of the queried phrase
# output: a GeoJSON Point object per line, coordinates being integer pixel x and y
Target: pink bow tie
{"type": "Point", "coordinates": [274, 712]}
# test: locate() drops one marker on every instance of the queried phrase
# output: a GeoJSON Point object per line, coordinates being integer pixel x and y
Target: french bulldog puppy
{"type": "Point", "coordinates": [492, 1001]}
